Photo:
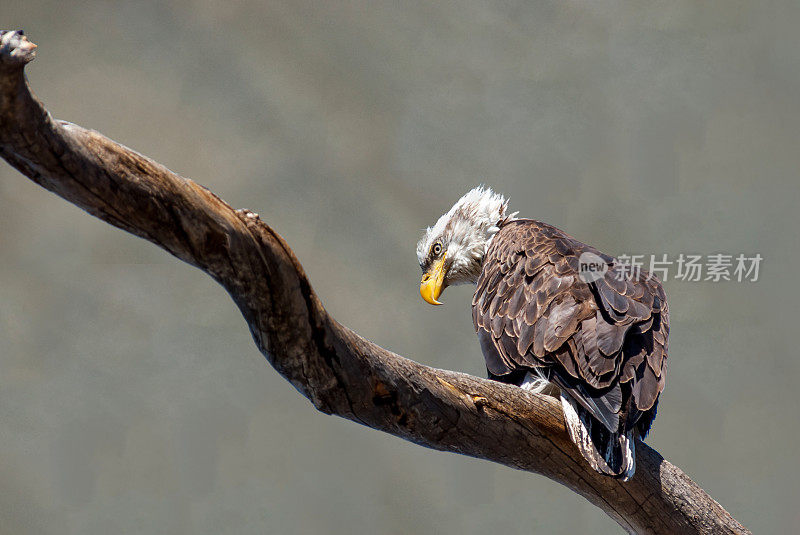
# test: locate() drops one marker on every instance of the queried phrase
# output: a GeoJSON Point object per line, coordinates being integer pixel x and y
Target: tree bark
{"type": "Point", "coordinates": [340, 372]}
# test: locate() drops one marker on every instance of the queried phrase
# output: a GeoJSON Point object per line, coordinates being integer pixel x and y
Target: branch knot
{"type": "Point", "coordinates": [15, 48]}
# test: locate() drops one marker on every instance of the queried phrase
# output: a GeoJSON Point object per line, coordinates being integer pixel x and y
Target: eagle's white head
{"type": "Point", "coordinates": [451, 251]}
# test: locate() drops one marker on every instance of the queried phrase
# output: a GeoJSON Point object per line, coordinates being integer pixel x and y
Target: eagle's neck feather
{"type": "Point", "coordinates": [472, 224]}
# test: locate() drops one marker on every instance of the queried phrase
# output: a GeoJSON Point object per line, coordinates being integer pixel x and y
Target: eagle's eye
{"type": "Point", "coordinates": [436, 249]}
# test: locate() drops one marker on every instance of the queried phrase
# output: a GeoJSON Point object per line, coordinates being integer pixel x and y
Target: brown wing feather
{"type": "Point", "coordinates": [605, 343]}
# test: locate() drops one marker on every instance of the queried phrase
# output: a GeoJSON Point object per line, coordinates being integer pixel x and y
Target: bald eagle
{"type": "Point", "coordinates": [554, 313]}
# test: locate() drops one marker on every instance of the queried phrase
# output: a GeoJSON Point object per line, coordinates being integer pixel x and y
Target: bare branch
{"type": "Point", "coordinates": [340, 372]}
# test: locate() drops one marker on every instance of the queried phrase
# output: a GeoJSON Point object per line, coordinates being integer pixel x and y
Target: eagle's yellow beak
{"type": "Point", "coordinates": [432, 282]}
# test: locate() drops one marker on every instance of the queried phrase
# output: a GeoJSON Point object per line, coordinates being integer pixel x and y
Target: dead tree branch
{"type": "Point", "coordinates": [340, 372]}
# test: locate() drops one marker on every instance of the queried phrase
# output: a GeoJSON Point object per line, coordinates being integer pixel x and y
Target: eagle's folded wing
{"type": "Point", "coordinates": [604, 342]}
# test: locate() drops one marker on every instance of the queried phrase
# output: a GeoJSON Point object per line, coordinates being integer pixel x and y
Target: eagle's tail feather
{"type": "Point", "coordinates": [608, 453]}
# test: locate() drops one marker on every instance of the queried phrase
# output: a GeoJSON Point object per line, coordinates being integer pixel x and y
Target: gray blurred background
{"type": "Point", "coordinates": [132, 398]}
